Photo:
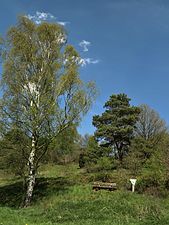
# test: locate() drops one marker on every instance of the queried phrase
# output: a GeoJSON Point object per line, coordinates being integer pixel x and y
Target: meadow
{"type": "Point", "coordinates": [64, 195]}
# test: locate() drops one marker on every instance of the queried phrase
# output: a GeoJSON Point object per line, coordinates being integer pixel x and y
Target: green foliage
{"type": "Point", "coordinates": [116, 125]}
{"type": "Point", "coordinates": [82, 160]}
{"type": "Point", "coordinates": [139, 152]}
{"type": "Point", "coordinates": [14, 152]}
{"type": "Point", "coordinates": [154, 174]}
{"type": "Point", "coordinates": [147, 162]}
{"type": "Point", "coordinates": [95, 157]}
{"type": "Point", "coordinates": [104, 163]}
{"type": "Point", "coordinates": [93, 151]}
{"type": "Point", "coordinates": [65, 147]}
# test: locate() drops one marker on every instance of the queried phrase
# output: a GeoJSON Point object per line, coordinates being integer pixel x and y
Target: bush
{"type": "Point", "coordinates": [103, 176]}
{"type": "Point", "coordinates": [152, 183]}
{"type": "Point", "coordinates": [104, 163]}
{"type": "Point", "coordinates": [82, 160]}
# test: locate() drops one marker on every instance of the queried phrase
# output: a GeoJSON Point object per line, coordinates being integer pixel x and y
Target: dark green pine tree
{"type": "Point", "coordinates": [114, 128]}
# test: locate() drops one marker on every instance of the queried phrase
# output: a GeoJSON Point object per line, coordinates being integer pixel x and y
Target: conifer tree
{"type": "Point", "coordinates": [114, 128]}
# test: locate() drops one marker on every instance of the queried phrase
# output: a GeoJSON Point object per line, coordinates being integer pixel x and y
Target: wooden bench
{"type": "Point", "coordinates": [101, 185]}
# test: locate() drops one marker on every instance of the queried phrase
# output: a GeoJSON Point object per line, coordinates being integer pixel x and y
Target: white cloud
{"type": "Point", "coordinates": [81, 61]}
{"type": "Point", "coordinates": [39, 17]}
{"type": "Point", "coordinates": [63, 23]}
{"type": "Point", "coordinates": [86, 61]}
{"type": "Point", "coordinates": [44, 16]}
{"type": "Point", "coordinates": [85, 44]}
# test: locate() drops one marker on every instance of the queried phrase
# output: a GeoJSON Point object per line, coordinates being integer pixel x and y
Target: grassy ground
{"type": "Point", "coordinates": [63, 196]}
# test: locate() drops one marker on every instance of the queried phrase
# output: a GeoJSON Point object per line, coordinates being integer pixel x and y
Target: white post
{"type": "Point", "coordinates": [133, 182]}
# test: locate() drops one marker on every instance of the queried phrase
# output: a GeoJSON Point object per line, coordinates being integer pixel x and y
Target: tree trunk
{"type": "Point", "coordinates": [31, 176]}
{"type": "Point", "coordinates": [120, 154]}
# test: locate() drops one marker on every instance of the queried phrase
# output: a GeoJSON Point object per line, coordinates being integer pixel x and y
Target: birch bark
{"type": "Point", "coordinates": [32, 174]}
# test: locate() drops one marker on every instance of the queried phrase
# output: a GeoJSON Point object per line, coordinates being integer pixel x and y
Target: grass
{"type": "Point", "coordinates": [63, 196]}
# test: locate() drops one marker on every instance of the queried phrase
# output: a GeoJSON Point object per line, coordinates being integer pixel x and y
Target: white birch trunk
{"type": "Point", "coordinates": [31, 176]}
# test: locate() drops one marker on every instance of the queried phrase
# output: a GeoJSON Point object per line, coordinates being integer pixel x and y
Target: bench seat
{"type": "Point", "coordinates": [101, 185]}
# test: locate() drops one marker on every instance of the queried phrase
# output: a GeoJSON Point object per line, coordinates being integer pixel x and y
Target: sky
{"type": "Point", "coordinates": [124, 44]}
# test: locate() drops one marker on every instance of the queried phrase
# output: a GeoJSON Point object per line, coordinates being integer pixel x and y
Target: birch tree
{"type": "Point", "coordinates": [42, 91]}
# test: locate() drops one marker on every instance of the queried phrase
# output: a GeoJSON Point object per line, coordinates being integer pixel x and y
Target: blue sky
{"type": "Point", "coordinates": [129, 45]}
